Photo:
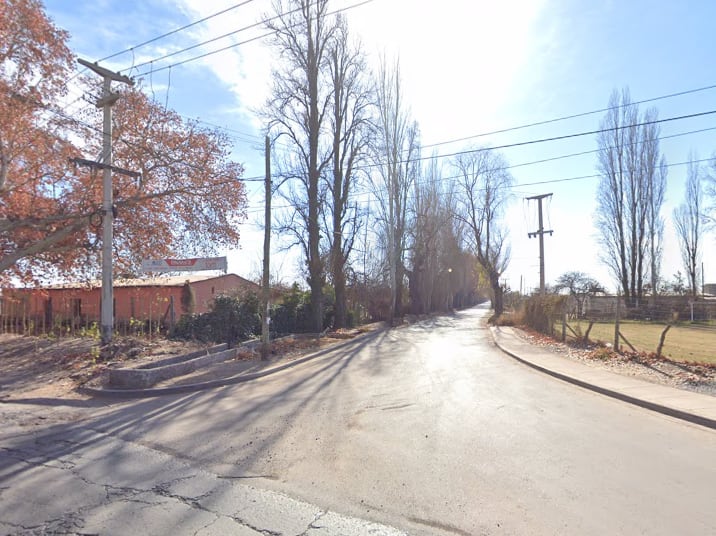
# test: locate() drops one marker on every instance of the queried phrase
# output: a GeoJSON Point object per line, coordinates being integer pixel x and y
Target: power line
{"type": "Point", "coordinates": [511, 187]}
{"type": "Point", "coordinates": [592, 151]}
{"type": "Point", "coordinates": [534, 162]}
{"type": "Point", "coordinates": [197, 45]}
{"type": "Point", "coordinates": [234, 45]}
{"type": "Point", "coordinates": [511, 166]}
{"type": "Point", "coordinates": [128, 143]}
{"type": "Point", "coordinates": [582, 114]}
{"type": "Point", "coordinates": [583, 177]}
{"type": "Point", "coordinates": [260, 178]}
{"type": "Point", "coordinates": [185, 27]}
{"type": "Point", "coordinates": [573, 116]}
{"type": "Point", "coordinates": [552, 138]}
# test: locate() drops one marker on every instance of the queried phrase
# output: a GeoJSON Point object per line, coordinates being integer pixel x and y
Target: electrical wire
{"type": "Point", "coordinates": [374, 193]}
{"type": "Point", "coordinates": [555, 138]}
{"type": "Point", "coordinates": [234, 45]}
{"type": "Point", "coordinates": [197, 45]}
{"type": "Point", "coordinates": [436, 144]}
{"type": "Point", "coordinates": [573, 116]}
{"type": "Point", "coordinates": [177, 30]}
{"type": "Point", "coordinates": [260, 178]}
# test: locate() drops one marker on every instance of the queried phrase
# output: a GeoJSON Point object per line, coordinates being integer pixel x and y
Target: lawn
{"type": "Point", "coordinates": [683, 342]}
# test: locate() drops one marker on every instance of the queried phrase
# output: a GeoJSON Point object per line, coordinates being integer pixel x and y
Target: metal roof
{"type": "Point", "coordinates": [160, 281]}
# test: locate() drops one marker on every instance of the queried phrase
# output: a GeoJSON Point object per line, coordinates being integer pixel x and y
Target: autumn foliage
{"type": "Point", "coordinates": [188, 201]}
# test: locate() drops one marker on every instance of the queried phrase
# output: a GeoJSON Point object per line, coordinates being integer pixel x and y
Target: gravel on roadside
{"type": "Point", "coordinates": [697, 377]}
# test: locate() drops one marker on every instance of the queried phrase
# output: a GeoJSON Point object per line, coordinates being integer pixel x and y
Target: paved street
{"type": "Point", "coordinates": [428, 429]}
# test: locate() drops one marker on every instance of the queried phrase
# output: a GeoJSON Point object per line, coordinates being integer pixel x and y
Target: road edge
{"type": "Point", "coordinates": [222, 382]}
{"type": "Point", "coordinates": [666, 410]}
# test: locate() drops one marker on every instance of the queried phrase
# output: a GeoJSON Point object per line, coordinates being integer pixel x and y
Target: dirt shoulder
{"type": "Point", "coordinates": [698, 377]}
{"type": "Point", "coordinates": [38, 367]}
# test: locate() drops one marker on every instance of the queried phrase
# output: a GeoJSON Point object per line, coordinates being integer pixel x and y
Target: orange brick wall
{"type": "Point", "coordinates": [138, 302]}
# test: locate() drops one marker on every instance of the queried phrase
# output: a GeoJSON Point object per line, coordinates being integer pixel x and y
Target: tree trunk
{"type": "Point", "coordinates": [340, 307]}
{"type": "Point", "coordinates": [497, 294]}
{"type": "Point", "coordinates": [399, 277]}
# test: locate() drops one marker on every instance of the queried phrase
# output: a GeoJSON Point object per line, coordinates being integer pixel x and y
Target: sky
{"type": "Point", "coordinates": [469, 68]}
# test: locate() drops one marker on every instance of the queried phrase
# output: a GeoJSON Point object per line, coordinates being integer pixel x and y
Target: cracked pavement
{"type": "Point", "coordinates": [428, 429]}
{"type": "Point", "coordinates": [83, 482]}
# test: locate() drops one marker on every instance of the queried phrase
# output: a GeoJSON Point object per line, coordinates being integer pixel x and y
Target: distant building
{"type": "Point", "coordinates": [154, 300]}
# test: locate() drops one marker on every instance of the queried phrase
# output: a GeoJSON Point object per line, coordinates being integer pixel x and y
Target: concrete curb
{"type": "Point", "coordinates": [231, 380]}
{"type": "Point", "coordinates": [145, 376]}
{"type": "Point", "coordinates": [666, 410]}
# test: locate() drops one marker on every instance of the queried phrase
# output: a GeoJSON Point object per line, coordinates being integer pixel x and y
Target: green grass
{"type": "Point", "coordinates": [683, 342]}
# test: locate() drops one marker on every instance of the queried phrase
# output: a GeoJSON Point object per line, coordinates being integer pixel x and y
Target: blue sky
{"type": "Point", "coordinates": [469, 67]}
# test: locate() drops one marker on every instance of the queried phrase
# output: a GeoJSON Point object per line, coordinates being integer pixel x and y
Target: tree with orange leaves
{"type": "Point", "coordinates": [189, 200]}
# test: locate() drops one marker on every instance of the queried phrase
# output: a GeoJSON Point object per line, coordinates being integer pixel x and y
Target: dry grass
{"type": "Point", "coordinates": [683, 343]}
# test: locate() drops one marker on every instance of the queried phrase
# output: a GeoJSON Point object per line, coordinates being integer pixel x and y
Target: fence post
{"type": "Point", "coordinates": [564, 327]}
{"type": "Point", "coordinates": [661, 340]}
{"type": "Point", "coordinates": [616, 325]}
{"type": "Point", "coordinates": [172, 313]}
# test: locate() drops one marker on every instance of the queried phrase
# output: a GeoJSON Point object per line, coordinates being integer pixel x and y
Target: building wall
{"type": "Point", "coordinates": [143, 303]}
{"type": "Point", "coordinates": [82, 305]}
{"type": "Point", "coordinates": [205, 291]}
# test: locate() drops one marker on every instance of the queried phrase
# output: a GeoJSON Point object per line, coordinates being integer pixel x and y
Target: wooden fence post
{"type": "Point", "coordinates": [616, 325]}
{"type": "Point", "coordinates": [661, 340]}
{"type": "Point", "coordinates": [586, 333]}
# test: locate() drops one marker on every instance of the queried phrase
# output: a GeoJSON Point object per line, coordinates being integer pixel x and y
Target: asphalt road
{"type": "Point", "coordinates": [430, 429]}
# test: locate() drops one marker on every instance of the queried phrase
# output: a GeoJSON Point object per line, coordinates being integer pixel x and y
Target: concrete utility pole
{"type": "Point", "coordinates": [540, 233]}
{"type": "Point", "coordinates": [267, 250]}
{"type": "Point", "coordinates": [106, 101]}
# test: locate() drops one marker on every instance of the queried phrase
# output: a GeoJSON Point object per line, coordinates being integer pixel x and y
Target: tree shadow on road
{"type": "Point", "coordinates": [197, 428]}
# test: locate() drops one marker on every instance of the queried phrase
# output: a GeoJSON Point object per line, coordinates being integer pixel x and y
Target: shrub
{"type": "Point", "coordinates": [510, 318]}
{"type": "Point", "coordinates": [541, 310]}
{"type": "Point", "coordinates": [293, 314]}
{"type": "Point", "coordinates": [602, 352]}
{"type": "Point", "coordinates": [232, 319]}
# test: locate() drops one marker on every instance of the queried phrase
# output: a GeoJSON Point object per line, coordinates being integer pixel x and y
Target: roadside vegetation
{"type": "Point", "coordinates": [684, 342]}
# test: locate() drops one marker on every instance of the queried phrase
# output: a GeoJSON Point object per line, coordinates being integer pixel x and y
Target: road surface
{"type": "Point", "coordinates": [428, 429]}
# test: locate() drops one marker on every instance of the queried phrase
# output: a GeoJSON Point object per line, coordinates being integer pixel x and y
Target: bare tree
{"type": "Point", "coordinates": [484, 187]}
{"type": "Point", "coordinates": [628, 164]}
{"type": "Point", "coordinates": [298, 109]}
{"type": "Point", "coordinates": [655, 226]}
{"type": "Point", "coordinates": [396, 147]}
{"type": "Point", "coordinates": [349, 123]}
{"type": "Point", "coordinates": [433, 243]}
{"type": "Point", "coordinates": [710, 194]}
{"type": "Point", "coordinates": [687, 220]}
{"type": "Point", "coordinates": [580, 286]}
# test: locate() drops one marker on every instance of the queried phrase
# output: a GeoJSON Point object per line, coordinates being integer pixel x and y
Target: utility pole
{"type": "Point", "coordinates": [106, 101]}
{"type": "Point", "coordinates": [267, 252]}
{"type": "Point", "coordinates": [540, 233]}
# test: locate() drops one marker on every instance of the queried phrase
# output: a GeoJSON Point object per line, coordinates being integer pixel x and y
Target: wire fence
{"type": "Point", "coordinates": [79, 327]}
{"type": "Point", "coordinates": [677, 328]}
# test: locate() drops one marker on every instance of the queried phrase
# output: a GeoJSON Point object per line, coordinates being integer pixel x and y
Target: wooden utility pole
{"type": "Point", "coordinates": [106, 101]}
{"type": "Point", "coordinates": [267, 251]}
{"type": "Point", "coordinates": [540, 233]}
